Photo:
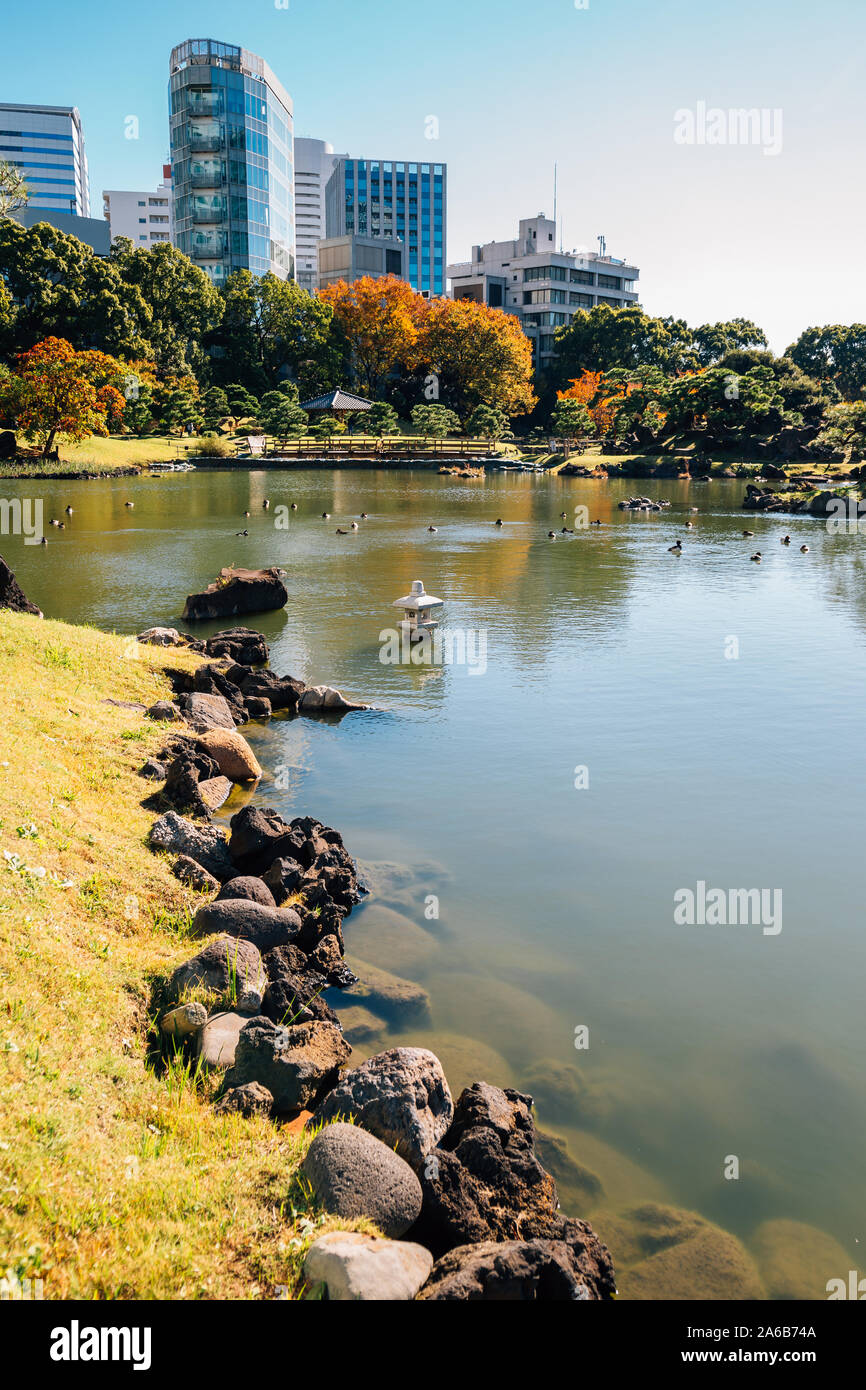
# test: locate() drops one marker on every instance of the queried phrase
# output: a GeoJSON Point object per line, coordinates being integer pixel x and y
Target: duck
{"type": "Point", "coordinates": [293, 507]}
{"type": "Point", "coordinates": [690, 525]}
{"type": "Point", "coordinates": [43, 541]}
{"type": "Point", "coordinates": [340, 532]}
{"type": "Point", "coordinates": [804, 550]}
{"type": "Point", "coordinates": [693, 509]}
{"type": "Point", "coordinates": [68, 511]}
{"type": "Point", "coordinates": [786, 540]}
{"type": "Point", "coordinates": [551, 535]}
{"type": "Point", "coordinates": [595, 523]}
{"type": "Point", "coordinates": [354, 526]}
{"type": "Point", "coordinates": [748, 533]}
{"type": "Point", "coordinates": [246, 513]}
{"type": "Point", "coordinates": [566, 532]}
{"type": "Point", "coordinates": [363, 516]}
{"type": "Point", "coordinates": [498, 521]}
{"type": "Point", "coordinates": [326, 516]}
{"type": "Point", "coordinates": [563, 515]}
{"type": "Point", "coordinates": [756, 557]}
{"type": "Point", "coordinates": [61, 525]}
{"type": "Point", "coordinates": [54, 521]}
{"type": "Point", "coordinates": [266, 504]}
{"type": "Point", "coordinates": [676, 549]}
{"type": "Point", "coordinates": [432, 528]}
{"type": "Point", "coordinates": [130, 505]}
{"type": "Point", "coordinates": [242, 533]}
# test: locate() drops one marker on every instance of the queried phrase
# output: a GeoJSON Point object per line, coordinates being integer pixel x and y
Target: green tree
{"type": "Point", "coordinates": [713, 341]}
{"type": "Point", "coordinates": [181, 411]}
{"type": "Point", "coordinates": [138, 412]}
{"type": "Point", "coordinates": [603, 338]}
{"type": "Point", "coordinates": [242, 404]}
{"type": "Point", "coordinates": [434, 421]}
{"type": "Point", "coordinates": [835, 353]}
{"type": "Point", "coordinates": [60, 288]}
{"type": "Point", "coordinates": [381, 419]}
{"type": "Point", "coordinates": [214, 406]}
{"type": "Point", "coordinates": [280, 413]}
{"type": "Point", "coordinates": [486, 422]}
{"type": "Point", "coordinates": [272, 327]}
{"type": "Point", "coordinates": [183, 305]}
{"type": "Point", "coordinates": [571, 421]}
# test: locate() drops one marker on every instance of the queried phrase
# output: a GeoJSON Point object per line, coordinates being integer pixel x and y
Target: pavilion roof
{"type": "Point", "coordinates": [337, 400]}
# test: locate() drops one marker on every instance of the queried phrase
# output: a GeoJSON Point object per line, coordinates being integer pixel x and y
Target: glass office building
{"type": "Point", "coordinates": [231, 161]}
{"type": "Point", "coordinates": [47, 144]}
{"type": "Point", "coordinates": [384, 198]}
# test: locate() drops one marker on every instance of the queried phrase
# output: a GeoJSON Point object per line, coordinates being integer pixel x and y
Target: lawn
{"type": "Point", "coordinates": [119, 1181]}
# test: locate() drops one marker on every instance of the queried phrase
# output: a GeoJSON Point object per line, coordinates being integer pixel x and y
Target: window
{"type": "Point", "coordinates": [609, 282]}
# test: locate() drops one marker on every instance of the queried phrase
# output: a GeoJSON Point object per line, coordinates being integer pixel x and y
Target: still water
{"type": "Point", "coordinates": [644, 722]}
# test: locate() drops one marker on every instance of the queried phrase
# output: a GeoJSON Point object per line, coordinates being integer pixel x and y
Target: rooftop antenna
{"type": "Point", "coordinates": [602, 246]}
{"type": "Point", "coordinates": [554, 193]}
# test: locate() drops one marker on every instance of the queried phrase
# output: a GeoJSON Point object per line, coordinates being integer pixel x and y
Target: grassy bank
{"type": "Point", "coordinates": [118, 1179]}
{"type": "Point", "coordinates": [104, 455]}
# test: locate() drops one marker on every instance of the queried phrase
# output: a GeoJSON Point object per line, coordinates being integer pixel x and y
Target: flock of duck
{"type": "Point", "coordinates": [677, 547]}
{"type": "Point", "coordinates": [61, 525]}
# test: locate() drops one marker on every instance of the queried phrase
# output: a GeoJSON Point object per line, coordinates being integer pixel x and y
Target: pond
{"type": "Point", "coordinates": [625, 725]}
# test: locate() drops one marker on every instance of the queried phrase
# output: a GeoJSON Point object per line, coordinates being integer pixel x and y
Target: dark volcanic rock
{"type": "Point", "coordinates": [254, 890]}
{"type": "Point", "coordinates": [327, 959]}
{"type": "Point", "coordinates": [284, 692]}
{"type": "Point", "coordinates": [182, 778]}
{"type": "Point", "coordinates": [401, 1096]}
{"type": "Point", "coordinates": [294, 993]}
{"type": "Point", "coordinates": [354, 1174]}
{"type": "Point", "coordinates": [266, 927]}
{"type": "Point", "coordinates": [297, 1064]}
{"type": "Point", "coordinates": [240, 644]}
{"type": "Point", "coordinates": [12, 595]}
{"type": "Point", "coordinates": [188, 871]}
{"type": "Point", "coordinates": [258, 837]}
{"type": "Point", "coordinates": [238, 591]}
{"type": "Point", "coordinates": [206, 844]}
{"type": "Point", "coordinates": [203, 711]}
{"type": "Point", "coordinates": [524, 1271]}
{"type": "Point", "coordinates": [248, 1100]}
{"type": "Point", "coordinates": [210, 680]}
{"type": "Point", "coordinates": [484, 1180]}
{"type": "Point", "coordinates": [257, 708]}
{"type": "Point", "coordinates": [284, 878]}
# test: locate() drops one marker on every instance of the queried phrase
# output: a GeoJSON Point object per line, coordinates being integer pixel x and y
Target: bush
{"type": "Point", "coordinates": [213, 446]}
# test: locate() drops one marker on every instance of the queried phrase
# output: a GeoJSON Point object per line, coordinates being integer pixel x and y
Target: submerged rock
{"type": "Point", "coordinates": [238, 591]}
{"type": "Point", "coordinates": [665, 1253]}
{"type": "Point", "coordinates": [401, 1096]}
{"type": "Point", "coordinates": [324, 699]}
{"type": "Point", "coordinates": [797, 1261]}
{"type": "Point", "coordinates": [396, 999]}
{"type": "Point", "coordinates": [356, 1268]}
{"type": "Point", "coordinates": [354, 1174]}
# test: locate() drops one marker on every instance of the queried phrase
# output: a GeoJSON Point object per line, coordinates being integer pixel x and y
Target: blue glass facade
{"type": "Point", "coordinates": [371, 197]}
{"type": "Point", "coordinates": [47, 144]}
{"type": "Point", "coordinates": [231, 157]}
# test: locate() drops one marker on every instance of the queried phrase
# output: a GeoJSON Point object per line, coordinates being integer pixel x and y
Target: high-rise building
{"type": "Point", "coordinates": [314, 164]}
{"type": "Point", "coordinates": [232, 162]}
{"type": "Point", "coordinates": [543, 287]}
{"type": "Point", "coordinates": [143, 216]}
{"type": "Point", "coordinates": [385, 198]}
{"type": "Point", "coordinates": [47, 144]}
{"type": "Point", "coordinates": [352, 256]}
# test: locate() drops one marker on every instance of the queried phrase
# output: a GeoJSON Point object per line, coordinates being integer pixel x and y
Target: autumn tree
{"type": "Point", "coordinates": [481, 356]}
{"type": "Point", "coordinates": [64, 394]}
{"type": "Point", "coordinates": [380, 322]}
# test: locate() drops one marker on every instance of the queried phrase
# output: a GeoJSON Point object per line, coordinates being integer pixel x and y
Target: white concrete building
{"type": "Point", "coordinates": [145, 217]}
{"type": "Point", "coordinates": [543, 287]}
{"type": "Point", "coordinates": [315, 161]}
{"type": "Point", "coordinates": [351, 256]}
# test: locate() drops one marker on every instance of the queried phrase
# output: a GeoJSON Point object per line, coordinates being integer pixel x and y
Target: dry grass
{"type": "Point", "coordinates": [118, 1179]}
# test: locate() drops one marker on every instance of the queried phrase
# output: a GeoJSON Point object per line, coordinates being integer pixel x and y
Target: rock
{"type": "Point", "coordinates": [184, 774]}
{"type": "Point", "coordinates": [392, 941]}
{"type": "Point", "coordinates": [205, 844]}
{"type": "Point", "coordinates": [183, 1021]}
{"type": "Point", "coordinates": [295, 989]}
{"type": "Point", "coordinates": [253, 890]}
{"type": "Point", "coordinates": [160, 637]}
{"type": "Point", "coordinates": [354, 1174]}
{"type": "Point", "coordinates": [214, 792]}
{"type": "Point", "coordinates": [257, 708]}
{"type": "Point", "coordinates": [265, 927]}
{"type": "Point", "coordinates": [360, 1025]}
{"type": "Point", "coordinates": [324, 699]}
{"type": "Point", "coordinates": [567, 1095]}
{"type": "Point", "coordinates": [152, 771]}
{"type": "Point", "coordinates": [401, 1096]}
{"type": "Point", "coordinates": [465, 1059]}
{"type": "Point", "coordinates": [218, 1040]}
{"type": "Point", "coordinates": [240, 644]}
{"type": "Point", "coordinates": [238, 591]}
{"type": "Point", "coordinates": [484, 1181]}
{"type": "Point", "coordinates": [283, 692]}
{"type": "Point", "coordinates": [397, 1000]}
{"type": "Point", "coordinates": [164, 710]}
{"type": "Point", "coordinates": [203, 712]}
{"type": "Point", "coordinates": [665, 1253]}
{"type": "Point", "coordinates": [284, 878]}
{"type": "Point", "coordinates": [296, 1064]}
{"type": "Point", "coordinates": [554, 1153]}
{"type": "Point", "coordinates": [327, 959]}
{"type": "Point", "coordinates": [523, 1271]}
{"type": "Point", "coordinates": [228, 969]}
{"type": "Point", "coordinates": [364, 1269]}
{"type": "Point", "coordinates": [797, 1261]}
{"type": "Point", "coordinates": [12, 595]}
{"type": "Point", "coordinates": [232, 754]}
{"type": "Point", "coordinates": [211, 680]}
{"type": "Point", "coordinates": [257, 838]}
{"type": "Point", "coordinates": [251, 1099]}
{"type": "Point", "coordinates": [191, 873]}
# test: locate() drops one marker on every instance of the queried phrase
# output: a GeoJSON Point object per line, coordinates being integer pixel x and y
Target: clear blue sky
{"type": "Point", "coordinates": [718, 231]}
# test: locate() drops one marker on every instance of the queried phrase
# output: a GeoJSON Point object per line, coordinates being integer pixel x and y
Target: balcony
{"type": "Point", "coordinates": [210, 251]}
{"type": "Point", "coordinates": [207, 178]}
{"type": "Point", "coordinates": [204, 103]}
{"type": "Point", "coordinates": [209, 216]}
{"type": "Point", "coordinates": [205, 144]}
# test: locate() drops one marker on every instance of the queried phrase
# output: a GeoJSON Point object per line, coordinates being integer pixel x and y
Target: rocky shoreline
{"type": "Point", "coordinates": [464, 1204]}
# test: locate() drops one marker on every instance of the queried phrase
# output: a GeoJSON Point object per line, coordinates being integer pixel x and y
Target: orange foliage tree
{"type": "Point", "coordinates": [481, 356]}
{"type": "Point", "coordinates": [601, 397]}
{"type": "Point", "coordinates": [380, 321]}
{"type": "Point", "coordinates": [59, 392]}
